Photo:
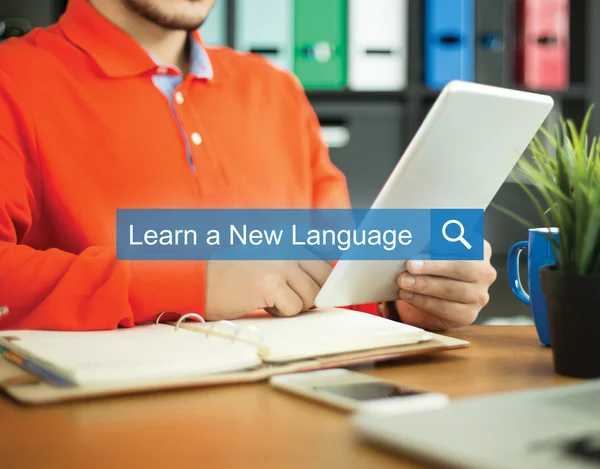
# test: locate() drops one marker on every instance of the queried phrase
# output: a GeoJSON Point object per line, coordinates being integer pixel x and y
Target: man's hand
{"type": "Point", "coordinates": [282, 288]}
{"type": "Point", "coordinates": [442, 295]}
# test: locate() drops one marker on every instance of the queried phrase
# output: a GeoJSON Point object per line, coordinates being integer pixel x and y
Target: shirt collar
{"type": "Point", "coordinates": [200, 65]}
{"type": "Point", "coordinates": [115, 52]}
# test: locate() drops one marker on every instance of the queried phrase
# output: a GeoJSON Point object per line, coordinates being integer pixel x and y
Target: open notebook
{"type": "Point", "coordinates": [73, 365]}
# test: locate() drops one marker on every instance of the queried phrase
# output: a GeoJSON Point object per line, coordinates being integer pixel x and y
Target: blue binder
{"type": "Point", "coordinates": [449, 41]}
{"type": "Point", "coordinates": [214, 29]}
{"type": "Point", "coordinates": [266, 27]}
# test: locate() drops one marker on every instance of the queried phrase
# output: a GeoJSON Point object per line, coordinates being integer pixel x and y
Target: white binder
{"type": "Point", "coordinates": [266, 27]}
{"type": "Point", "coordinates": [378, 45]}
{"type": "Point", "coordinates": [214, 29]}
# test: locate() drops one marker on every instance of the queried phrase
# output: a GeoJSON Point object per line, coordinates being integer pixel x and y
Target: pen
{"type": "Point", "coordinates": [34, 369]}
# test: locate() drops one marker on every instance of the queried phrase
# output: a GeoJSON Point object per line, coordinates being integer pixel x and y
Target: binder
{"type": "Point", "coordinates": [492, 42]}
{"type": "Point", "coordinates": [320, 32]}
{"type": "Point", "coordinates": [37, 13]}
{"type": "Point", "coordinates": [543, 49]}
{"type": "Point", "coordinates": [265, 27]}
{"type": "Point", "coordinates": [378, 45]}
{"type": "Point", "coordinates": [14, 27]}
{"type": "Point", "coordinates": [66, 366]}
{"type": "Point", "coordinates": [214, 31]}
{"type": "Point", "coordinates": [449, 41]}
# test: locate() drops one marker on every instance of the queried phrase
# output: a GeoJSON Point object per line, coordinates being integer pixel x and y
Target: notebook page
{"type": "Point", "coordinates": [321, 332]}
{"type": "Point", "coordinates": [149, 353]}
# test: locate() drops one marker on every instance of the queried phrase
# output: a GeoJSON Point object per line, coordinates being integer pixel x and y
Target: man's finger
{"type": "Point", "coordinates": [467, 271]}
{"type": "Point", "coordinates": [319, 271]}
{"type": "Point", "coordinates": [304, 286]}
{"type": "Point", "coordinates": [284, 302]}
{"type": "Point", "coordinates": [443, 288]}
{"type": "Point", "coordinates": [487, 251]}
{"type": "Point", "coordinates": [446, 310]}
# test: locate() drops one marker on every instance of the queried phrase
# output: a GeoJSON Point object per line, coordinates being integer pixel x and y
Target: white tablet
{"type": "Point", "coordinates": [464, 151]}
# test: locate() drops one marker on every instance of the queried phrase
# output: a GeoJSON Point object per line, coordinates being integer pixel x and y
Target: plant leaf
{"type": "Point", "coordinates": [566, 177]}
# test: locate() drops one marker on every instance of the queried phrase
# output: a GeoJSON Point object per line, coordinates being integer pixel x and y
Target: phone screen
{"type": "Point", "coordinates": [367, 391]}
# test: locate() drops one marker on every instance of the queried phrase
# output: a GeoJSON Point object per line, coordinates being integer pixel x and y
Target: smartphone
{"type": "Point", "coordinates": [357, 392]}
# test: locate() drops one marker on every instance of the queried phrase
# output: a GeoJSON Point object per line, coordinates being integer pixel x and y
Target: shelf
{"type": "Point", "coordinates": [346, 94]}
{"type": "Point", "coordinates": [575, 91]}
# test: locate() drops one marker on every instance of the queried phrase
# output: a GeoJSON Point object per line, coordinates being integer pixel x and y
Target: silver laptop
{"type": "Point", "coordinates": [550, 429]}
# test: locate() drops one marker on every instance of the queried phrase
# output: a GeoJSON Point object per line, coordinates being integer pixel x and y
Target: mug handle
{"type": "Point", "coordinates": [513, 272]}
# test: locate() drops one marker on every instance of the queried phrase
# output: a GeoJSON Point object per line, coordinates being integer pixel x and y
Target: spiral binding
{"type": "Point", "coordinates": [212, 328]}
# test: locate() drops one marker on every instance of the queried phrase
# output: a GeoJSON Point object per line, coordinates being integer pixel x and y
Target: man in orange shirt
{"type": "Point", "coordinates": [120, 105]}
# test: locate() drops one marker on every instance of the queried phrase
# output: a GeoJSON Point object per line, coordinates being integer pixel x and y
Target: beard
{"type": "Point", "coordinates": [156, 12]}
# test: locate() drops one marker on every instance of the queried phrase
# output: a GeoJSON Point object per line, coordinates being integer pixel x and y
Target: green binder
{"type": "Point", "coordinates": [320, 43]}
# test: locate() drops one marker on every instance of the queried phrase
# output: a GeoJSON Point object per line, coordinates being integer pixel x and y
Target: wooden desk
{"type": "Point", "coordinates": [253, 425]}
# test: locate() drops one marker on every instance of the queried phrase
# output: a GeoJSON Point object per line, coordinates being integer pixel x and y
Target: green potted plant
{"type": "Point", "coordinates": [566, 176]}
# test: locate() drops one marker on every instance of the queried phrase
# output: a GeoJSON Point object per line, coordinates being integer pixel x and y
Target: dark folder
{"type": "Point", "coordinates": [492, 41]}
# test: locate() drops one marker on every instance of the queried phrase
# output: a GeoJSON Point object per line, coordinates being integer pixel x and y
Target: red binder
{"type": "Point", "coordinates": [543, 44]}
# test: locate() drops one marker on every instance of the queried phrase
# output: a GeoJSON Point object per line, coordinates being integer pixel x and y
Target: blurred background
{"type": "Point", "coordinates": [373, 68]}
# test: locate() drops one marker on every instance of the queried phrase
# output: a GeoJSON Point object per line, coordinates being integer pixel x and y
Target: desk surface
{"type": "Point", "coordinates": [254, 425]}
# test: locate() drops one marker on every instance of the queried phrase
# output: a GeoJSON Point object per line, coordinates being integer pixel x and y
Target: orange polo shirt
{"type": "Point", "coordinates": [85, 131]}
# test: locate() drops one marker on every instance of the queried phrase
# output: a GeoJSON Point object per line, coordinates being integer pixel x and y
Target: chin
{"type": "Point", "coordinates": [194, 10]}
{"type": "Point", "coordinates": [173, 14]}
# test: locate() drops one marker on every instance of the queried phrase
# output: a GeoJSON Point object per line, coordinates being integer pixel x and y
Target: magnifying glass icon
{"type": "Point", "coordinates": [460, 238]}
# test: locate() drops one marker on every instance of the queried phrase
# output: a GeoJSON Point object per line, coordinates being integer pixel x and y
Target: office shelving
{"type": "Point", "coordinates": [415, 101]}
{"type": "Point", "coordinates": [398, 114]}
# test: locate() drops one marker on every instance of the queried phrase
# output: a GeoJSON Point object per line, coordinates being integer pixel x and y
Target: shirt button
{"type": "Point", "coordinates": [179, 97]}
{"type": "Point", "coordinates": [162, 70]}
{"type": "Point", "coordinates": [196, 138]}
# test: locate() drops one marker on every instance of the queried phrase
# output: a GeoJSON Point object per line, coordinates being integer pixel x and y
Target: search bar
{"type": "Point", "coordinates": [460, 238]}
{"type": "Point", "coordinates": [457, 234]}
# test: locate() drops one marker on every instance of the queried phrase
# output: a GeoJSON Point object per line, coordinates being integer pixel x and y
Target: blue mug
{"type": "Point", "coordinates": [539, 253]}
